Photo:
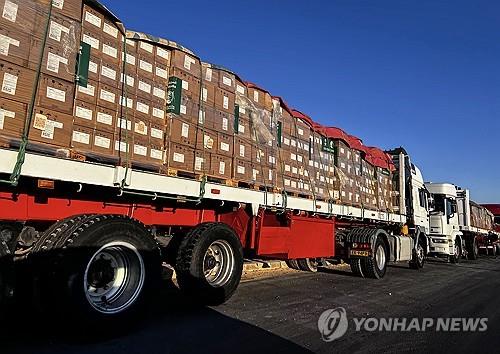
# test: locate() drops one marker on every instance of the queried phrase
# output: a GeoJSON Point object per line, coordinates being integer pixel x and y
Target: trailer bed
{"type": "Point", "coordinates": [90, 173]}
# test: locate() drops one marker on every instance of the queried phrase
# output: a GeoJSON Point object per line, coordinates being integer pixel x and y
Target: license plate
{"type": "Point", "coordinates": [360, 253]}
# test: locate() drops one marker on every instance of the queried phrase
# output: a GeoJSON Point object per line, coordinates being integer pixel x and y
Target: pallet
{"type": "Point", "coordinates": [172, 172]}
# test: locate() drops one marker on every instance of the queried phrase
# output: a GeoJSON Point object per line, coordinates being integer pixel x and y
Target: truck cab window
{"type": "Point", "coordinates": [439, 202]}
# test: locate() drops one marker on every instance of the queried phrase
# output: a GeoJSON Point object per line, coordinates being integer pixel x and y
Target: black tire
{"type": "Point", "coordinates": [455, 258]}
{"type": "Point", "coordinates": [292, 264]}
{"type": "Point", "coordinates": [356, 267]}
{"type": "Point", "coordinates": [198, 251]}
{"type": "Point", "coordinates": [498, 248]}
{"type": "Point", "coordinates": [308, 264]}
{"type": "Point", "coordinates": [494, 251]}
{"type": "Point", "coordinates": [376, 266]}
{"type": "Point", "coordinates": [67, 258]}
{"type": "Point", "coordinates": [6, 277]}
{"type": "Point", "coordinates": [418, 257]}
{"type": "Point", "coordinates": [473, 250]}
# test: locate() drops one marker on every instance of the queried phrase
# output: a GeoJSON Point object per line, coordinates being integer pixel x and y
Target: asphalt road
{"type": "Point", "coordinates": [279, 314]}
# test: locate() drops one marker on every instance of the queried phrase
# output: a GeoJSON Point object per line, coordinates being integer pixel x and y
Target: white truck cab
{"type": "Point", "coordinates": [445, 237]}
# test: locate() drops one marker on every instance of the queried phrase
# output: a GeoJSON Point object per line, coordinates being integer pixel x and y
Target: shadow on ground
{"type": "Point", "coordinates": [168, 325]}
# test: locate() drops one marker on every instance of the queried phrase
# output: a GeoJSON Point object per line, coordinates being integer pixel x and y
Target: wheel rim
{"type": "Point", "coordinates": [114, 277]}
{"type": "Point", "coordinates": [456, 251]}
{"type": "Point", "coordinates": [313, 264]}
{"type": "Point", "coordinates": [218, 263]}
{"type": "Point", "coordinates": [380, 257]}
{"type": "Point", "coordinates": [420, 254]}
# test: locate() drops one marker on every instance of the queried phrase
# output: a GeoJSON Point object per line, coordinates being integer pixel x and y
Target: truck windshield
{"type": "Point", "coordinates": [439, 204]}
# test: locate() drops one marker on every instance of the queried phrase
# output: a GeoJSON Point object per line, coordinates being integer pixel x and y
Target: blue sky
{"type": "Point", "coordinates": [421, 74]}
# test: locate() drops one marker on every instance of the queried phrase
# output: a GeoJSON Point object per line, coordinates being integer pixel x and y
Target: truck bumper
{"type": "Point", "coordinates": [439, 245]}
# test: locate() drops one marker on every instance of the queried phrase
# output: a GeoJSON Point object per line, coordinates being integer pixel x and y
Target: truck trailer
{"type": "Point", "coordinates": [95, 245]}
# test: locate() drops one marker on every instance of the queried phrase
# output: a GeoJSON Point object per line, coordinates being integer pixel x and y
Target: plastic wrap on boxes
{"type": "Point", "coordinates": [261, 132]}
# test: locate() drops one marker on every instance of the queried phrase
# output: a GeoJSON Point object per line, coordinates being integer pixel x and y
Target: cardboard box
{"type": "Point", "coordinates": [143, 108]}
{"type": "Point", "coordinates": [244, 128]}
{"type": "Point", "coordinates": [19, 14]}
{"type": "Point", "coordinates": [130, 60]}
{"type": "Point", "coordinates": [162, 55]}
{"type": "Point", "coordinates": [224, 100]}
{"type": "Point", "coordinates": [92, 38]}
{"type": "Point", "coordinates": [181, 157]}
{"type": "Point", "coordinates": [105, 119]}
{"type": "Point", "coordinates": [223, 121]}
{"type": "Point", "coordinates": [56, 94]}
{"type": "Point", "coordinates": [161, 74]}
{"type": "Point", "coordinates": [145, 66]}
{"type": "Point", "coordinates": [110, 31]}
{"type": "Point", "coordinates": [157, 153]}
{"type": "Point", "coordinates": [208, 95]}
{"type": "Point", "coordinates": [207, 140]}
{"type": "Point", "coordinates": [103, 143]}
{"type": "Point", "coordinates": [240, 88]}
{"type": "Point", "coordinates": [108, 96]}
{"type": "Point", "coordinates": [220, 166]}
{"type": "Point", "coordinates": [88, 93]}
{"type": "Point", "coordinates": [182, 132]}
{"type": "Point", "coordinates": [15, 45]}
{"type": "Point", "coordinates": [190, 83]}
{"type": "Point", "coordinates": [225, 144]}
{"type": "Point", "coordinates": [12, 118]}
{"type": "Point", "coordinates": [111, 50]}
{"type": "Point", "coordinates": [159, 93]}
{"type": "Point", "coordinates": [94, 68]}
{"type": "Point", "coordinates": [144, 87]}
{"type": "Point", "coordinates": [210, 75]}
{"type": "Point", "coordinates": [82, 138]}
{"type": "Point", "coordinates": [158, 113]}
{"type": "Point", "coordinates": [157, 133]}
{"type": "Point", "coordinates": [242, 170]}
{"type": "Point", "coordinates": [16, 82]}
{"type": "Point", "coordinates": [242, 148]}
{"type": "Point", "coordinates": [63, 32]}
{"type": "Point", "coordinates": [84, 114]}
{"type": "Point", "coordinates": [185, 62]}
{"type": "Point", "coordinates": [68, 8]}
{"type": "Point", "coordinates": [201, 162]}
{"type": "Point", "coordinates": [146, 50]}
{"type": "Point", "coordinates": [141, 129]}
{"type": "Point", "coordinates": [260, 98]}
{"type": "Point", "coordinates": [227, 81]}
{"type": "Point", "coordinates": [110, 74]}
{"type": "Point", "coordinates": [51, 127]}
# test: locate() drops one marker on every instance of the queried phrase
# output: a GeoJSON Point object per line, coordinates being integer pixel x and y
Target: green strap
{"type": "Point", "coordinates": [21, 154]}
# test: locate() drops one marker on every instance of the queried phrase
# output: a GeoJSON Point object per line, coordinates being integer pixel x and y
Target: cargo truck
{"type": "Point", "coordinates": [94, 236]}
{"type": "Point", "coordinates": [459, 227]}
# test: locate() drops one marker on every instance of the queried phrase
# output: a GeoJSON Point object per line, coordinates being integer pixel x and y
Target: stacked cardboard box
{"type": "Point", "coordinates": [129, 98]}
{"type": "Point", "coordinates": [384, 189]}
{"type": "Point", "coordinates": [24, 28]}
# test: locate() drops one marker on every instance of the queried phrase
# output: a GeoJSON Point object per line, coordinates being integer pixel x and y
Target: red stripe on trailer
{"type": "Point", "coordinates": [23, 207]}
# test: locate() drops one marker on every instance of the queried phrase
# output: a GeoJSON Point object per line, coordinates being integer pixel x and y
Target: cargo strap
{"type": "Point", "coordinates": [132, 126]}
{"type": "Point", "coordinates": [21, 154]}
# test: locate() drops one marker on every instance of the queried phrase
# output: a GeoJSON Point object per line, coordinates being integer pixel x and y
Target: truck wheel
{"type": "Point", "coordinates": [418, 258]}
{"type": "Point", "coordinates": [376, 265]}
{"type": "Point", "coordinates": [356, 267]}
{"type": "Point", "coordinates": [473, 250]}
{"type": "Point", "coordinates": [292, 263]}
{"type": "Point", "coordinates": [96, 266]}
{"type": "Point", "coordinates": [455, 257]}
{"type": "Point", "coordinates": [209, 263]}
{"type": "Point", "coordinates": [6, 276]}
{"type": "Point", "coordinates": [494, 250]}
{"type": "Point", "coordinates": [308, 264]}
{"type": "Point", "coordinates": [498, 248]}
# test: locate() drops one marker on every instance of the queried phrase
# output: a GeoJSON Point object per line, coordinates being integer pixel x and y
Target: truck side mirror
{"type": "Point", "coordinates": [430, 202]}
